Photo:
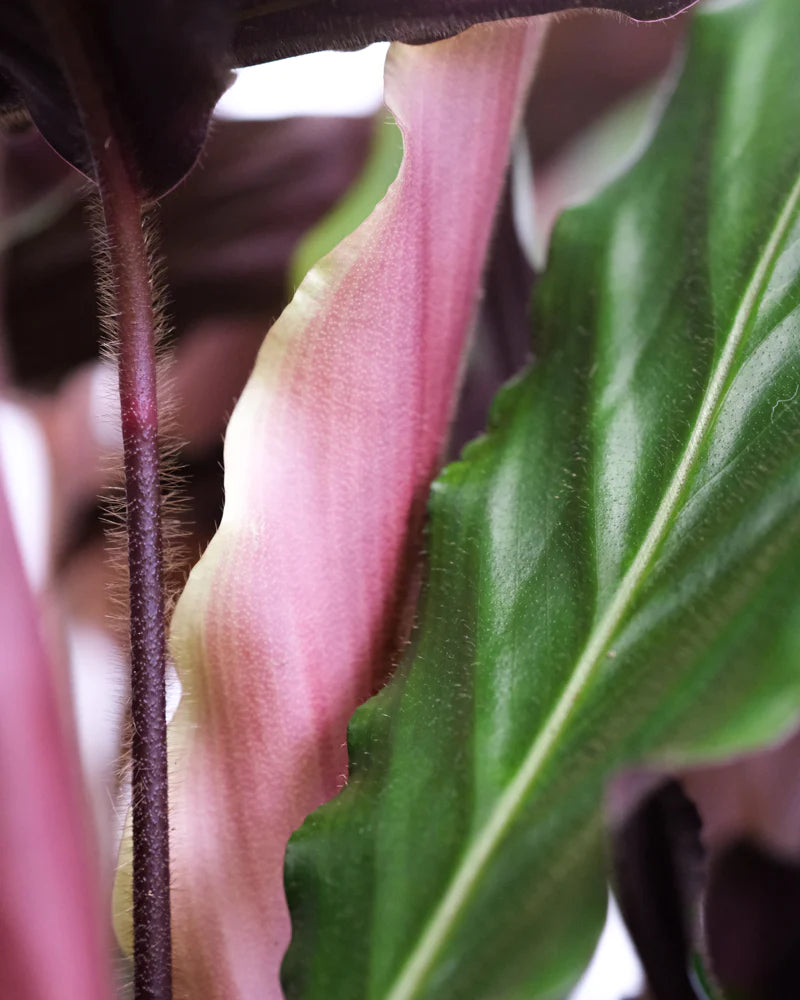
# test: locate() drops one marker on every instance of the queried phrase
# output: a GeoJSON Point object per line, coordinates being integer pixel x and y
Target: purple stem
{"type": "Point", "coordinates": [137, 391]}
{"type": "Point", "coordinates": [132, 296]}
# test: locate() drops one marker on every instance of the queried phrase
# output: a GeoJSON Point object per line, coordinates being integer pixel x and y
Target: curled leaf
{"type": "Point", "coordinates": [160, 65]}
{"type": "Point", "coordinates": [273, 30]}
{"type": "Point", "coordinates": [291, 616]}
{"type": "Point", "coordinates": [658, 864]}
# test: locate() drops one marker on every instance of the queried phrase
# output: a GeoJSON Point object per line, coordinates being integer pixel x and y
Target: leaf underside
{"type": "Point", "coordinates": [276, 28]}
{"type": "Point", "coordinates": [613, 570]}
{"type": "Point", "coordinates": [162, 64]}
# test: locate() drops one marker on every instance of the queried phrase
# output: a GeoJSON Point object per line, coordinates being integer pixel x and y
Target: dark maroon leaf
{"type": "Point", "coordinates": [751, 917]}
{"type": "Point", "coordinates": [658, 865]}
{"type": "Point", "coordinates": [735, 912]}
{"type": "Point", "coordinates": [161, 65]}
{"type": "Point", "coordinates": [278, 28]}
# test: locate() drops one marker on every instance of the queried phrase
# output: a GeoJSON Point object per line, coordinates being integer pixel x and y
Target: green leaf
{"type": "Point", "coordinates": [614, 570]}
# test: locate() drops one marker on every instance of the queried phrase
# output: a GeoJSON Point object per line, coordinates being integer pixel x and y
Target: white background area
{"type": "Point", "coordinates": [322, 83]}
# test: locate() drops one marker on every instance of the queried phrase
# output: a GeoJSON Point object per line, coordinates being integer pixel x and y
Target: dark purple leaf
{"type": "Point", "coordinates": [160, 66]}
{"type": "Point", "coordinates": [735, 911]}
{"type": "Point", "coordinates": [281, 28]}
{"type": "Point", "coordinates": [658, 864]}
{"type": "Point", "coordinates": [751, 917]}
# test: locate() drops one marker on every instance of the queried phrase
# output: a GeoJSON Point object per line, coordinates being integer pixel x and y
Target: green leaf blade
{"type": "Point", "coordinates": [613, 569]}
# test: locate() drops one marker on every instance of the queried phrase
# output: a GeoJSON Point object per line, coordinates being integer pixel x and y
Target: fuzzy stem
{"type": "Point", "coordinates": [133, 296]}
{"type": "Point", "coordinates": [134, 314]}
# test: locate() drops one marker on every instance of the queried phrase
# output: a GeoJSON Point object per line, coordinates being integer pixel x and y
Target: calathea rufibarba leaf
{"type": "Point", "coordinates": [614, 569]}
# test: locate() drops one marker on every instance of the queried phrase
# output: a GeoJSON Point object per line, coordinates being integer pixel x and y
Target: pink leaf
{"type": "Point", "coordinates": [293, 613]}
{"type": "Point", "coordinates": [51, 947]}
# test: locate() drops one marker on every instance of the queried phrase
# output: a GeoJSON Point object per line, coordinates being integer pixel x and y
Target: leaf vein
{"type": "Point", "coordinates": [413, 974]}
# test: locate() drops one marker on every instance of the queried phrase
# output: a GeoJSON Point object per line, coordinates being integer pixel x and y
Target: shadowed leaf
{"type": "Point", "coordinates": [162, 64]}
{"type": "Point", "coordinates": [658, 870]}
{"type": "Point", "coordinates": [752, 902]}
{"type": "Point", "coordinates": [277, 28]}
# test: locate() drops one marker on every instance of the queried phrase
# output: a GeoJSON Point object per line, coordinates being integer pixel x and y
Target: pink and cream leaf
{"type": "Point", "coordinates": [291, 617]}
{"type": "Point", "coordinates": [51, 943]}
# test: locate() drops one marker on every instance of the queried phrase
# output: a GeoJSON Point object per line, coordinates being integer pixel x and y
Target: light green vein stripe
{"type": "Point", "coordinates": [413, 974]}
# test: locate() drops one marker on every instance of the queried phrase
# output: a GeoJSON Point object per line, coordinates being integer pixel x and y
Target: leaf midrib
{"type": "Point", "coordinates": [413, 974]}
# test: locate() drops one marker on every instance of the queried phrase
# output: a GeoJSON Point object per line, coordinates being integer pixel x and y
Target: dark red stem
{"type": "Point", "coordinates": [134, 319]}
{"type": "Point", "coordinates": [133, 298]}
